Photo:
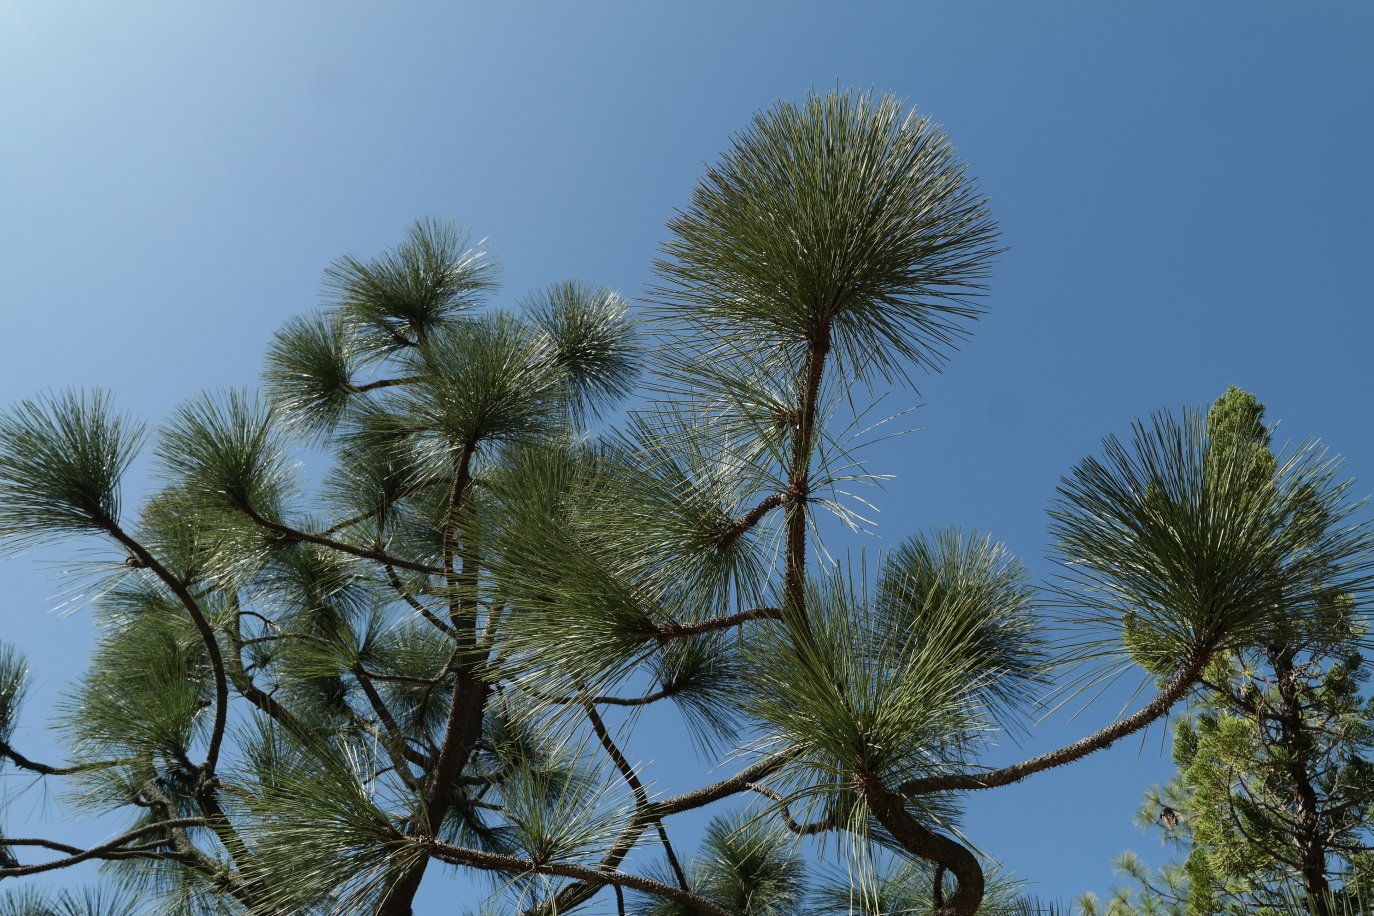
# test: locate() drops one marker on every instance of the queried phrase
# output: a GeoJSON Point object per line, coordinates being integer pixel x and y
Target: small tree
{"type": "Point", "coordinates": [304, 704]}
{"type": "Point", "coordinates": [1275, 787]}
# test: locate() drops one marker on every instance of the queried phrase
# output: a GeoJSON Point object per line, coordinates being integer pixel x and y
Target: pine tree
{"type": "Point", "coordinates": [312, 702]}
{"type": "Point", "coordinates": [1274, 793]}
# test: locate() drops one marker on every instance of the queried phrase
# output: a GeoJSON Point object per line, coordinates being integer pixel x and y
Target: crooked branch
{"type": "Point", "coordinates": [1171, 693]}
{"type": "Point", "coordinates": [114, 849]}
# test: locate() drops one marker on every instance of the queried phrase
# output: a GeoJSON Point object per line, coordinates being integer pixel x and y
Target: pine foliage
{"type": "Point", "coordinates": [311, 700]}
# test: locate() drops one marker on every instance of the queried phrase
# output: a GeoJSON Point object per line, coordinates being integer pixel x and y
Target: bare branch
{"type": "Point", "coordinates": [1171, 693]}
{"type": "Point", "coordinates": [597, 877]}
{"type": "Point", "coordinates": [112, 849]}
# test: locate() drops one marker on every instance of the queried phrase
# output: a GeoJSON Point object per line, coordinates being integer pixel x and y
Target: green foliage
{"type": "Point", "coordinates": [146, 690]}
{"type": "Point", "coordinates": [325, 838]}
{"type": "Point", "coordinates": [593, 342]}
{"type": "Point", "coordinates": [1273, 797]}
{"type": "Point", "coordinates": [1179, 544]}
{"type": "Point", "coordinates": [86, 902]}
{"type": "Point", "coordinates": [745, 867]}
{"type": "Point", "coordinates": [398, 299]}
{"type": "Point", "coordinates": [61, 459]}
{"type": "Point", "coordinates": [906, 888]}
{"type": "Point", "coordinates": [842, 213]}
{"type": "Point", "coordinates": [980, 601]}
{"type": "Point", "coordinates": [223, 452]}
{"type": "Point", "coordinates": [310, 369]}
{"type": "Point", "coordinates": [14, 681]}
{"type": "Point", "coordinates": [308, 703]}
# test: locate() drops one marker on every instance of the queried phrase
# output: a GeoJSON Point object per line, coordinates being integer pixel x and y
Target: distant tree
{"type": "Point", "coordinates": [1275, 789]}
{"type": "Point", "coordinates": [309, 704]}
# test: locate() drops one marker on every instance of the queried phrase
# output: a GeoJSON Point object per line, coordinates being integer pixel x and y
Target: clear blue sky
{"type": "Point", "coordinates": [1185, 190]}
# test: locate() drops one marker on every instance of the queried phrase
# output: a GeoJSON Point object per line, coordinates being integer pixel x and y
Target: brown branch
{"type": "Point", "coordinates": [799, 478]}
{"type": "Point", "coordinates": [947, 854]}
{"type": "Point", "coordinates": [364, 516]}
{"type": "Point", "coordinates": [1171, 693]}
{"type": "Point", "coordinates": [43, 769]}
{"type": "Point", "coordinates": [631, 778]}
{"type": "Point", "coordinates": [463, 726]}
{"type": "Point", "coordinates": [163, 807]}
{"type": "Point", "coordinates": [577, 894]}
{"type": "Point", "coordinates": [103, 851]}
{"type": "Point", "coordinates": [740, 526]}
{"type": "Point", "coordinates": [207, 636]}
{"type": "Point", "coordinates": [800, 829]}
{"type": "Point", "coordinates": [674, 630]}
{"type": "Point", "coordinates": [415, 603]}
{"type": "Point", "coordinates": [599, 876]}
{"type": "Point", "coordinates": [392, 737]}
{"type": "Point", "coordinates": [367, 553]}
{"type": "Point", "coordinates": [248, 689]}
{"type": "Point", "coordinates": [384, 383]}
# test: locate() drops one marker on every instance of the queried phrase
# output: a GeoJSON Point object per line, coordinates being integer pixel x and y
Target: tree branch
{"type": "Point", "coordinates": [207, 635]}
{"type": "Point", "coordinates": [947, 854]}
{"type": "Point", "coordinates": [367, 553]}
{"type": "Point", "coordinates": [799, 477]}
{"type": "Point", "coordinates": [43, 769]}
{"type": "Point", "coordinates": [576, 894]}
{"type": "Point", "coordinates": [631, 778]}
{"type": "Point", "coordinates": [1171, 693]}
{"type": "Point", "coordinates": [103, 851]}
{"type": "Point", "coordinates": [800, 829]}
{"type": "Point", "coordinates": [599, 876]}
{"type": "Point", "coordinates": [674, 630]}
{"type": "Point", "coordinates": [740, 526]}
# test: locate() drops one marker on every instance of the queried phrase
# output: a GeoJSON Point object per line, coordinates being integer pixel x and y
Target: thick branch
{"type": "Point", "coordinates": [1171, 693]}
{"type": "Point", "coordinates": [889, 809]}
{"type": "Point", "coordinates": [799, 475]}
{"type": "Point", "coordinates": [740, 526]}
{"type": "Point", "coordinates": [463, 727]}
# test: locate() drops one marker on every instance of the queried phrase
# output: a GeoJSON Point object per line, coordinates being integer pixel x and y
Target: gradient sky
{"type": "Point", "coordinates": [1185, 191]}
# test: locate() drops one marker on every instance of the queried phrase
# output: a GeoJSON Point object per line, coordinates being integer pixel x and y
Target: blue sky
{"type": "Point", "coordinates": [1184, 190]}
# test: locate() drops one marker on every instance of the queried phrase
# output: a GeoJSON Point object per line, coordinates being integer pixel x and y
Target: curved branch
{"type": "Point", "coordinates": [1171, 693]}
{"type": "Point", "coordinates": [103, 851]}
{"type": "Point", "coordinates": [207, 636]}
{"type": "Point", "coordinates": [631, 778]}
{"type": "Point", "coordinates": [740, 526]}
{"type": "Point", "coordinates": [800, 829]}
{"type": "Point", "coordinates": [947, 854]}
{"type": "Point", "coordinates": [8, 752]}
